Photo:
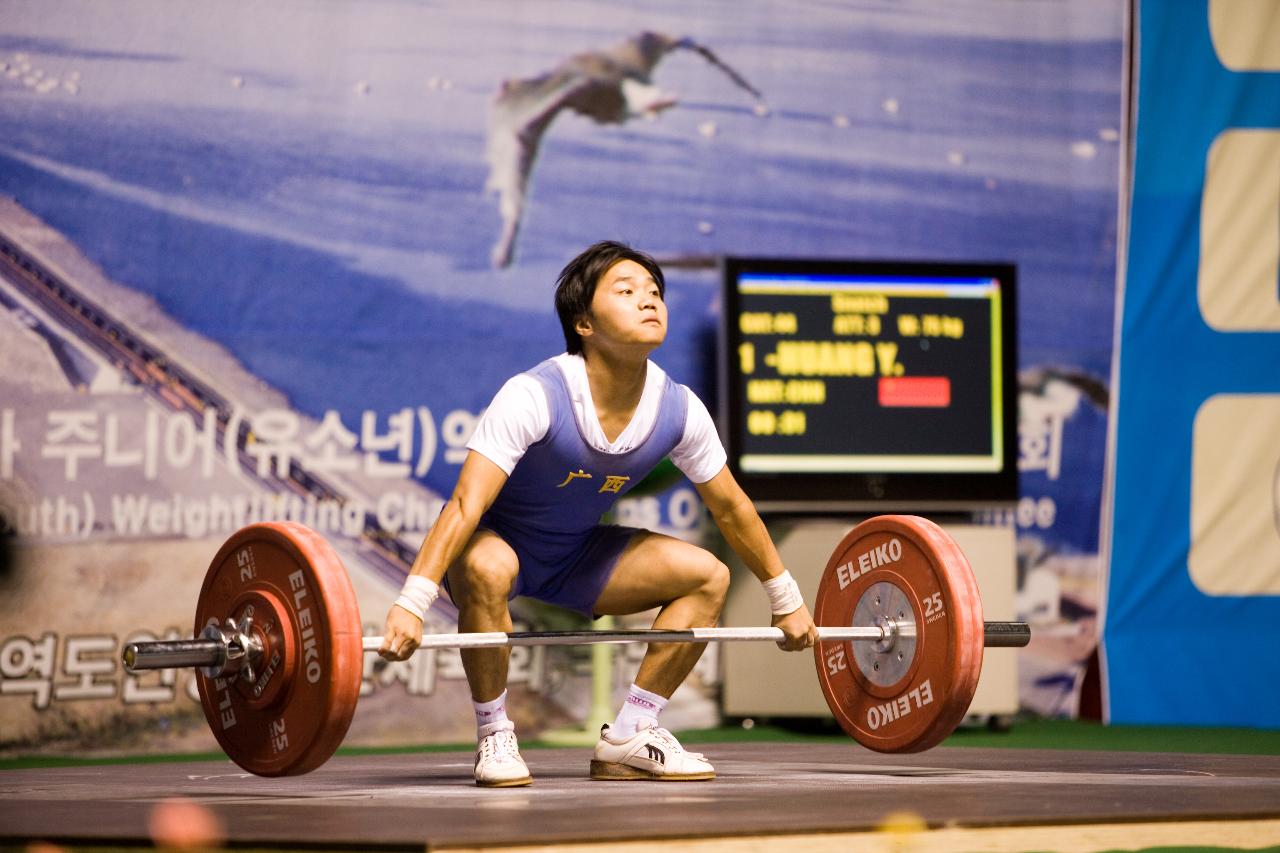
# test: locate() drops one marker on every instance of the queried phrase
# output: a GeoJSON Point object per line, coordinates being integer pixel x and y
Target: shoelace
{"type": "Point", "coordinates": [500, 745]}
{"type": "Point", "coordinates": [670, 740]}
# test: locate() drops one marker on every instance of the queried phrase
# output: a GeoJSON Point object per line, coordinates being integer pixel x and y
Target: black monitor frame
{"type": "Point", "coordinates": [870, 491]}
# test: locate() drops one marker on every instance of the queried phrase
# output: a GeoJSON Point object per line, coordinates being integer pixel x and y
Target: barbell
{"type": "Point", "coordinates": [279, 649]}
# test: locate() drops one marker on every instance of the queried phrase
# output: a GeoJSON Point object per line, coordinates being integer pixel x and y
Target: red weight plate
{"type": "Point", "coordinates": [910, 697]}
{"type": "Point", "coordinates": [296, 711]}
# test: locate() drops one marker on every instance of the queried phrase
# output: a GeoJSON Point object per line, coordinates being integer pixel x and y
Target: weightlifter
{"type": "Point", "coordinates": [555, 449]}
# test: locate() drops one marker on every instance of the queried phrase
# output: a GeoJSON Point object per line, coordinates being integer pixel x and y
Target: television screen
{"type": "Point", "coordinates": [861, 385]}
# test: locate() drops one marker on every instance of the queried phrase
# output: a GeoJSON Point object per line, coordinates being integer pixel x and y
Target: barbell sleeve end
{"type": "Point", "coordinates": [168, 654]}
{"type": "Point", "coordinates": [1006, 635]}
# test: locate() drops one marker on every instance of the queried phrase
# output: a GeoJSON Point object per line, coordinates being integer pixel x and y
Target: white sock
{"type": "Point", "coordinates": [639, 705]}
{"type": "Point", "coordinates": [490, 715]}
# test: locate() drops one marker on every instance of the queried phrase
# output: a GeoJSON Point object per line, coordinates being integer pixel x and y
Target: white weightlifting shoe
{"type": "Point", "coordinates": [498, 761]}
{"type": "Point", "coordinates": [651, 753]}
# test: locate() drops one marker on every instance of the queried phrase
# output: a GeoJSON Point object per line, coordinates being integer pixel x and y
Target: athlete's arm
{"type": "Point", "coordinates": [478, 485]}
{"type": "Point", "coordinates": [746, 534]}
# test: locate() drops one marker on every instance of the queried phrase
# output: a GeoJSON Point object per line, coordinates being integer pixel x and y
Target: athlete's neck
{"type": "Point", "coordinates": [617, 383]}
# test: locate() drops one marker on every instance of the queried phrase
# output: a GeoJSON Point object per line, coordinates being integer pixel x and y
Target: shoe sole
{"type": "Point", "coordinates": [506, 783]}
{"type": "Point", "coordinates": [608, 771]}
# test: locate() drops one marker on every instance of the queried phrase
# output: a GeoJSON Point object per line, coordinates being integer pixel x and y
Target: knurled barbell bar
{"type": "Point", "coordinates": [280, 652]}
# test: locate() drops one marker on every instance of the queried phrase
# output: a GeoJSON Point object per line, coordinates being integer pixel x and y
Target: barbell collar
{"type": "Point", "coordinates": [221, 650]}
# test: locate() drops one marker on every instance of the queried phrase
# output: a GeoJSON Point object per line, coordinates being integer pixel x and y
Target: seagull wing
{"type": "Point", "coordinates": [709, 56]}
{"type": "Point", "coordinates": [520, 114]}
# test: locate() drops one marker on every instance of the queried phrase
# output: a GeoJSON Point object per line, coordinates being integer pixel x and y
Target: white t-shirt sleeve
{"type": "Point", "coordinates": [699, 455]}
{"type": "Point", "coordinates": [517, 418]}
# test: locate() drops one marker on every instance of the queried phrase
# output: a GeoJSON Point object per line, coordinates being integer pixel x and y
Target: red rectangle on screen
{"type": "Point", "coordinates": [933, 392]}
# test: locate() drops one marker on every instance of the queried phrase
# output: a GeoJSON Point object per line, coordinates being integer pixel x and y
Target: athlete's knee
{"type": "Point", "coordinates": [715, 582]}
{"type": "Point", "coordinates": [489, 577]}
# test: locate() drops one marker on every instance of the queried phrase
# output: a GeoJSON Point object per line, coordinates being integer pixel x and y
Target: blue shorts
{"type": "Point", "coordinates": [569, 572]}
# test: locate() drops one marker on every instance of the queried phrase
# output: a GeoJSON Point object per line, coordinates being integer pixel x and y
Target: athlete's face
{"type": "Point", "coordinates": [626, 310]}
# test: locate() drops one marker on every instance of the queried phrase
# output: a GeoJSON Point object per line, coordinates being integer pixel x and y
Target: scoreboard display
{"type": "Point", "coordinates": [888, 385]}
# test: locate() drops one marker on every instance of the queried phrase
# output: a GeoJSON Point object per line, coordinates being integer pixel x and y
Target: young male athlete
{"type": "Point", "coordinates": [556, 448]}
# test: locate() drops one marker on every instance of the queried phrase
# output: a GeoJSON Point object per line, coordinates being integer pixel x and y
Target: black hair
{"type": "Point", "coordinates": [576, 285]}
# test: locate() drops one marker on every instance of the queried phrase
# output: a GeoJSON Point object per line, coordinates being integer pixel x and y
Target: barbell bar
{"type": "Point", "coordinates": [279, 648]}
{"type": "Point", "coordinates": [214, 653]}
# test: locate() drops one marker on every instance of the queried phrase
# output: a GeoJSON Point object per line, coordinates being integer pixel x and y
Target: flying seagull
{"type": "Point", "coordinates": [609, 87]}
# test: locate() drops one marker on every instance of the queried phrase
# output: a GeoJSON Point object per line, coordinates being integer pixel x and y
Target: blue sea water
{"type": "Point", "coordinates": [337, 242]}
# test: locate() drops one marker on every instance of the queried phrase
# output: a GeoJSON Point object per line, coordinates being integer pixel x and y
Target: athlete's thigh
{"type": "Point", "coordinates": [655, 570]}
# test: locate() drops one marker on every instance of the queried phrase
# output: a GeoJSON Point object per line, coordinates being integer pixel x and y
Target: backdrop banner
{"type": "Point", "coordinates": [268, 261]}
{"type": "Point", "coordinates": [1195, 519]}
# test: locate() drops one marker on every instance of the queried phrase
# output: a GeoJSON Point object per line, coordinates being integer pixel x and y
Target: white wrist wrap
{"type": "Point", "coordinates": [418, 594]}
{"type": "Point", "coordinates": [784, 594]}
